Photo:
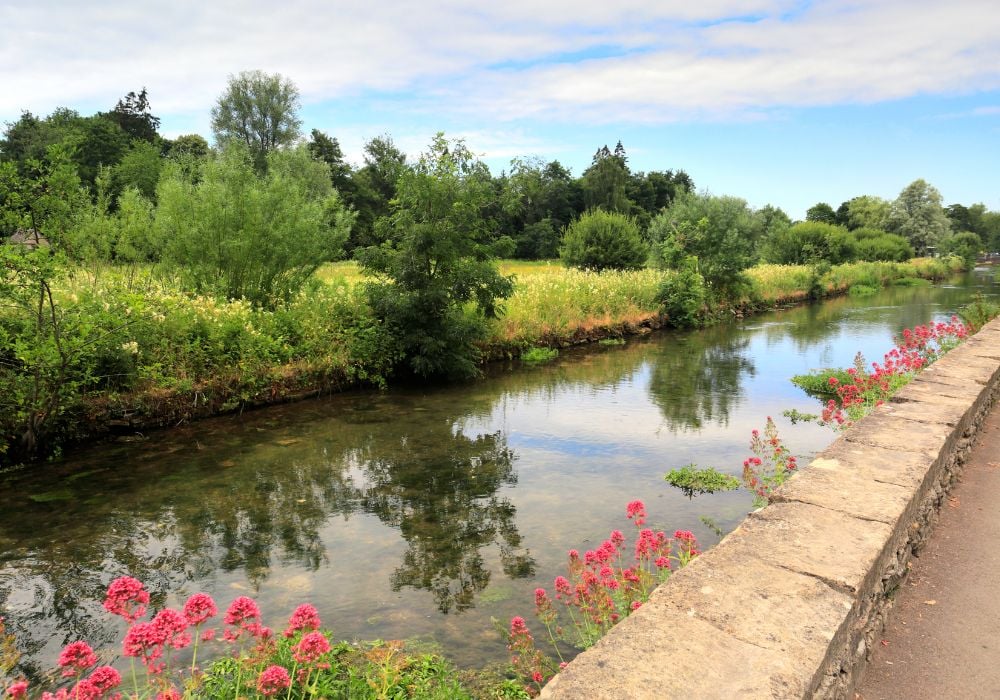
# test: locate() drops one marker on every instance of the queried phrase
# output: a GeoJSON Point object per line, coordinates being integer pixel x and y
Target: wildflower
{"type": "Point", "coordinates": [199, 608]}
{"type": "Point", "coordinates": [636, 510]}
{"type": "Point", "coordinates": [208, 635]}
{"type": "Point", "coordinates": [144, 640]}
{"type": "Point", "coordinates": [127, 597]}
{"type": "Point", "coordinates": [104, 678]}
{"type": "Point", "coordinates": [17, 690]}
{"type": "Point", "coordinates": [170, 693]}
{"type": "Point", "coordinates": [76, 658]}
{"type": "Point", "coordinates": [537, 676]}
{"type": "Point", "coordinates": [273, 680]}
{"type": "Point", "coordinates": [170, 625]}
{"type": "Point", "coordinates": [304, 619]}
{"type": "Point", "coordinates": [311, 647]}
{"type": "Point", "coordinates": [241, 611]}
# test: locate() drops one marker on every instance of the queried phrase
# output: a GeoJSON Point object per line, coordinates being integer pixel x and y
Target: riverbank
{"type": "Point", "coordinates": [175, 357]}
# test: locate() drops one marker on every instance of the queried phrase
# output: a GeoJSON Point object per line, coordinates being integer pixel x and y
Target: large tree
{"type": "Point", "coordinates": [133, 116]}
{"type": "Point", "coordinates": [917, 215]}
{"type": "Point", "coordinates": [606, 180]}
{"type": "Point", "coordinates": [438, 282]}
{"type": "Point", "coordinates": [259, 110]}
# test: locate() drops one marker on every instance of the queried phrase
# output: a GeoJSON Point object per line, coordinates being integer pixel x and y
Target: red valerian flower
{"type": "Point", "coordinates": [76, 658]}
{"type": "Point", "coordinates": [198, 608]}
{"type": "Point", "coordinates": [304, 619]}
{"type": "Point", "coordinates": [273, 680]}
{"type": "Point", "coordinates": [127, 597]}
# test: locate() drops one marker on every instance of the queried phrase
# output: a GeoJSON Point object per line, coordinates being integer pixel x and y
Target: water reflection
{"type": "Point", "coordinates": [699, 380]}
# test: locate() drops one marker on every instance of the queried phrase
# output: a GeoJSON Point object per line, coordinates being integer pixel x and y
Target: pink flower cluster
{"type": "Point", "coordinates": [915, 349]}
{"type": "Point", "coordinates": [770, 465]}
{"type": "Point", "coordinates": [601, 589]}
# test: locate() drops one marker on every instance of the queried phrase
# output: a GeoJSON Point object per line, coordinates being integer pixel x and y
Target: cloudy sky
{"type": "Point", "coordinates": [778, 101]}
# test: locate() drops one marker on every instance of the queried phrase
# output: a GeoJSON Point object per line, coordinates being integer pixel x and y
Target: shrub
{"type": "Point", "coordinates": [965, 245]}
{"type": "Point", "coordinates": [692, 480]}
{"type": "Point", "coordinates": [810, 242]}
{"type": "Point", "coordinates": [241, 234]}
{"type": "Point", "coordinates": [874, 244]}
{"type": "Point", "coordinates": [601, 240]}
{"type": "Point", "coordinates": [684, 296]}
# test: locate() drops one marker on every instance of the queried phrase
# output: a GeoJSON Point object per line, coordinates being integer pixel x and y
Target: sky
{"type": "Point", "coordinates": [781, 102]}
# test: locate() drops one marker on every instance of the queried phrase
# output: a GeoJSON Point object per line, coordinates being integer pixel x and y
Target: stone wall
{"type": "Point", "coordinates": [789, 604]}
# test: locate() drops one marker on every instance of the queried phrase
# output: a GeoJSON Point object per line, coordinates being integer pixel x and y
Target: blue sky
{"type": "Point", "coordinates": [785, 102]}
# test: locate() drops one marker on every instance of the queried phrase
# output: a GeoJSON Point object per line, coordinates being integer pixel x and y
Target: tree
{"type": "Point", "coordinates": [867, 211]}
{"type": "Point", "coordinates": [246, 234]}
{"type": "Point", "coordinates": [139, 168]}
{"type": "Point", "coordinates": [260, 110]}
{"type": "Point", "coordinates": [603, 240]}
{"type": "Point", "coordinates": [327, 150]}
{"type": "Point", "coordinates": [375, 185]}
{"type": "Point", "coordinates": [189, 145]}
{"type": "Point", "coordinates": [822, 212]}
{"type": "Point", "coordinates": [873, 244]}
{"type": "Point", "coordinates": [133, 116]}
{"type": "Point", "coordinates": [439, 283]}
{"type": "Point", "coordinates": [720, 233]}
{"type": "Point", "coordinates": [965, 245]}
{"type": "Point", "coordinates": [605, 181]}
{"type": "Point", "coordinates": [918, 217]}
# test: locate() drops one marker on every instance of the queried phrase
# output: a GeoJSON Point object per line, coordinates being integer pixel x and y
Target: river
{"type": "Point", "coordinates": [424, 512]}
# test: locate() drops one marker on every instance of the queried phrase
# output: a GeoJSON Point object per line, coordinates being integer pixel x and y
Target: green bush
{"type": "Point", "coordinates": [684, 297]}
{"type": "Point", "coordinates": [874, 244]}
{"type": "Point", "coordinates": [601, 240]}
{"type": "Point", "coordinates": [810, 242]}
{"type": "Point", "coordinates": [965, 245]}
{"type": "Point", "coordinates": [241, 234]}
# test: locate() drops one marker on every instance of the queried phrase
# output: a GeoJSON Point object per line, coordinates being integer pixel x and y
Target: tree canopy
{"type": "Point", "coordinates": [259, 110]}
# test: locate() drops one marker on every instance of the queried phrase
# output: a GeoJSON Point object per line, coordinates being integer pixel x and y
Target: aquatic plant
{"type": "Point", "coordinates": [692, 480]}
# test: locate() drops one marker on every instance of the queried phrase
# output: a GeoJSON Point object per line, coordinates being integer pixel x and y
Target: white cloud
{"type": "Point", "coordinates": [720, 59]}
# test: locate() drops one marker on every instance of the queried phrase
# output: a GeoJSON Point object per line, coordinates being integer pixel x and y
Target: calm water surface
{"type": "Point", "coordinates": [424, 512]}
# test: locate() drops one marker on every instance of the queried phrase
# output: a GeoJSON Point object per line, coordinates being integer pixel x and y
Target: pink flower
{"type": "Point", "coordinates": [105, 678]}
{"type": "Point", "coordinates": [77, 658]}
{"type": "Point", "coordinates": [207, 635]}
{"type": "Point", "coordinates": [242, 611]}
{"type": "Point", "coordinates": [171, 625]}
{"type": "Point", "coordinates": [199, 608]}
{"type": "Point", "coordinates": [18, 689]}
{"type": "Point", "coordinates": [86, 690]}
{"type": "Point", "coordinates": [273, 680]}
{"type": "Point", "coordinates": [636, 605]}
{"type": "Point", "coordinates": [637, 510]}
{"type": "Point", "coordinates": [127, 597]}
{"type": "Point", "coordinates": [536, 676]}
{"type": "Point", "coordinates": [145, 641]}
{"type": "Point", "coordinates": [170, 693]}
{"type": "Point", "coordinates": [304, 619]}
{"type": "Point", "coordinates": [311, 647]}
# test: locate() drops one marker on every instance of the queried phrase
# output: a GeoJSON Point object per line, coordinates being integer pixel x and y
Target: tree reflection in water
{"type": "Point", "coordinates": [698, 379]}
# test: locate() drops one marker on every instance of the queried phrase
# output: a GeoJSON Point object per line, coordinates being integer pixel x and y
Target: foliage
{"type": "Point", "coordinates": [604, 182]}
{"type": "Point", "coordinates": [917, 215]}
{"type": "Point", "coordinates": [862, 290]}
{"type": "Point", "coordinates": [602, 588]}
{"type": "Point", "coordinates": [132, 114]}
{"type": "Point", "coordinates": [821, 212]}
{"type": "Point", "coordinates": [692, 480]}
{"type": "Point", "coordinates": [979, 312]}
{"type": "Point", "coordinates": [810, 242]}
{"type": "Point", "coordinates": [720, 232]}
{"type": "Point", "coordinates": [769, 467]}
{"type": "Point", "coordinates": [259, 110]}
{"type": "Point", "coordinates": [536, 356]}
{"type": "Point", "coordinates": [439, 282]}
{"type": "Point", "coordinates": [243, 234]}
{"type": "Point", "coordinates": [965, 245]}
{"type": "Point", "coordinates": [684, 296]}
{"type": "Point", "coordinates": [796, 416]}
{"type": "Point", "coordinates": [602, 240]}
{"type": "Point", "coordinates": [874, 244]}
{"type": "Point", "coordinates": [868, 212]}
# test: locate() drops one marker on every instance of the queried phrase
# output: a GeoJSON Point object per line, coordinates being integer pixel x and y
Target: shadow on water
{"type": "Point", "coordinates": [421, 512]}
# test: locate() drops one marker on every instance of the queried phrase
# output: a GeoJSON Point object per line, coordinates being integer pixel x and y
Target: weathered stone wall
{"type": "Point", "coordinates": [789, 604]}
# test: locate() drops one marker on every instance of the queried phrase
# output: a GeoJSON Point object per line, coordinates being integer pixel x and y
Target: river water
{"type": "Point", "coordinates": [424, 512]}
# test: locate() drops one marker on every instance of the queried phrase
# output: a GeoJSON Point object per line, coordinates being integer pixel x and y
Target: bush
{"type": "Point", "coordinates": [810, 242]}
{"type": "Point", "coordinates": [601, 240]}
{"type": "Point", "coordinates": [721, 233]}
{"type": "Point", "coordinates": [684, 297]}
{"type": "Point", "coordinates": [874, 245]}
{"type": "Point", "coordinates": [965, 245]}
{"type": "Point", "coordinates": [241, 234]}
